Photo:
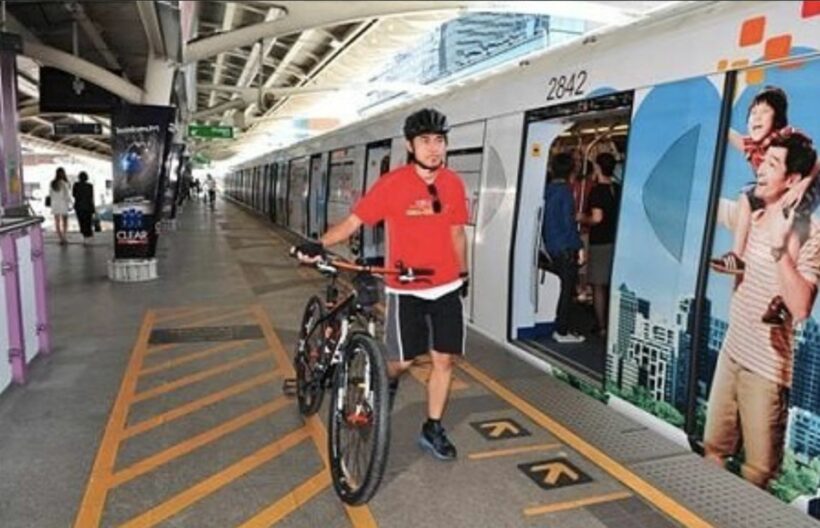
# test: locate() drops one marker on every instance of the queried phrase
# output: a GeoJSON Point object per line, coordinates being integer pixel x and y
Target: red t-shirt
{"type": "Point", "coordinates": [416, 235]}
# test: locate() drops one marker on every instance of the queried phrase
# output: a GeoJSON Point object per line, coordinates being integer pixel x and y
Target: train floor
{"type": "Point", "coordinates": [162, 405]}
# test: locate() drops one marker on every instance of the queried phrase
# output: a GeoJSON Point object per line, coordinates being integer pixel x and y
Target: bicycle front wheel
{"type": "Point", "coordinates": [309, 348]}
{"type": "Point", "coordinates": [359, 421]}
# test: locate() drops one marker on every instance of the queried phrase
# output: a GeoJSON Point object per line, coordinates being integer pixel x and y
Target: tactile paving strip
{"type": "Point", "coordinates": [723, 498]}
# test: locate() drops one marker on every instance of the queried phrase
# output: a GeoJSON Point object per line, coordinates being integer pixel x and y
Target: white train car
{"type": "Point", "coordinates": [663, 95]}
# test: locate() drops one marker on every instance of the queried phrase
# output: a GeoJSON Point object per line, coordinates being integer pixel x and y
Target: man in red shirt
{"type": "Point", "coordinates": [424, 207]}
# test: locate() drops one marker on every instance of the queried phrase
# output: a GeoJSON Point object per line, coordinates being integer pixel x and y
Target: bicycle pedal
{"type": "Point", "coordinates": [289, 387]}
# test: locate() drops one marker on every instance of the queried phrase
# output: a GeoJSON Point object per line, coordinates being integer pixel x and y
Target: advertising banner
{"type": "Point", "coordinates": [139, 138]}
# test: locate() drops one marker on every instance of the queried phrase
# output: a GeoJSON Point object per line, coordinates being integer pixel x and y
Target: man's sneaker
{"type": "Point", "coordinates": [728, 263]}
{"type": "Point", "coordinates": [776, 313]}
{"type": "Point", "coordinates": [434, 439]}
{"type": "Point", "coordinates": [568, 338]}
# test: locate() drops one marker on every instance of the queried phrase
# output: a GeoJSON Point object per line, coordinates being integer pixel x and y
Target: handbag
{"type": "Point", "coordinates": [48, 201]}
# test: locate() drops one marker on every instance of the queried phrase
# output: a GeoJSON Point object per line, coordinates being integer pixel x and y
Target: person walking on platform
{"type": "Point", "coordinates": [424, 207]}
{"type": "Point", "coordinates": [83, 193]}
{"type": "Point", "coordinates": [210, 184]}
{"type": "Point", "coordinates": [59, 197]}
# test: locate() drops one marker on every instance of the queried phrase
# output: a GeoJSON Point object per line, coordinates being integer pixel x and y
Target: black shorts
{"type": "Point", "coordinates": [414, 326]}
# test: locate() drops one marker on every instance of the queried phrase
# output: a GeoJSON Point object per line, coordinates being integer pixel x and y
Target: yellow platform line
{"type": "Point", "coordinates": [200, 376]}
{"type": "Point", "coordinates": [192, 357]}
{"type": "Point", "coordinates": [360, 516]}
{"type": "Point", "coordinates": [156, 349]}
{"type": "Point", "coordinates": [188, 312]}
{"type": "Point", "coordinates": [290, 502]}
{"type": "Point", "coordinates": [205, 487]}
{"type": "Point", "coordinates": [660, 500]}
{"type": "Point", "coordinates": [580, 503]}
{"type": "Point", "coordinates": [188, 408]}
{"type": "Point", "coordinates": [195, 442]}
{"type": "Point", "coordinates": [215, 318]}
{"type": "Point", "coordinates": [494, 453]}
{"type": "Point", "coordinates": [91, 507]}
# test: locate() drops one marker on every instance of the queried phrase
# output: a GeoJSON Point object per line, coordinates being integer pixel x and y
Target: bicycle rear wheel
{"type": "Point", "coordinates": [359, 421]}
{"type": "Point", "coordinates": [309, 349]}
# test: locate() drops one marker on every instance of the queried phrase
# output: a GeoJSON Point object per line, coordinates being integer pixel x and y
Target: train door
{"type": "Point", "coordinates": [344, 189]}
{"type": "Point", "coordinates": [271, 196]}
{"type": "Point", "coordinates": [282, 194]}
{"type": "Point", "coordinates": [299, 187]}
{"type": "Point", "coordinates": [265, 190]}
{"type": "Point", "coordinates": [317, 204]}
{"type": "Point", "coordinates": [377, 162]}
{"type": "Point", "coordinates": [562, 175]}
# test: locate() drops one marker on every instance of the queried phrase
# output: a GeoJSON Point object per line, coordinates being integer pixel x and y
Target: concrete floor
{"type": "Point", "coordinates": [198, 433]}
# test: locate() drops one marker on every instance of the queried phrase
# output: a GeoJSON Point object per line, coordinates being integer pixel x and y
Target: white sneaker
{"type": "Point", "coordinates": [568, 338]}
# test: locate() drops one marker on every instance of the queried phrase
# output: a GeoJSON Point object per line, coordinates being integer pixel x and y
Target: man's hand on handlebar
{"type": "Point", "coordinates": [309, 252]}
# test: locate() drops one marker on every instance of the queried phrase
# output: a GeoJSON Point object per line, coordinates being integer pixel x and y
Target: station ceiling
{"type": "Point", "coordinates": [250, 64]}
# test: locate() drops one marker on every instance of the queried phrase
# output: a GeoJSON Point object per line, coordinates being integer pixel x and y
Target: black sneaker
{"type": "Point", "coordinates": [434, 439]}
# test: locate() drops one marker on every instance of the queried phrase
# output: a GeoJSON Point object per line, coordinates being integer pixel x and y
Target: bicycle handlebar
{"type": "Point", "coordinates": [333, 265]}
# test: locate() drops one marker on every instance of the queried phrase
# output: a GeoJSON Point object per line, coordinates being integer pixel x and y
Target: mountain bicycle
{"type": "Point", "coordinates": [337, 350]}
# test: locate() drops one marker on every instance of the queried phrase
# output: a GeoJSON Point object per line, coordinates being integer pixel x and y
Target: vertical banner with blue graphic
{"type": "Point", "coordinates": [139, 139]}
{"type": "Point", "coordinates": [11, 167]}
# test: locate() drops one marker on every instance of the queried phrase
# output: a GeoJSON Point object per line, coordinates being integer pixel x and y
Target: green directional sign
{"type": "Point", "coordinates": [209, 131]}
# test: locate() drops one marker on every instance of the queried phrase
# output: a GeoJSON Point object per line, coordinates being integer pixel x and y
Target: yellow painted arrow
{"type": "Point", "coordinates": [554, 470]}
{"type": "Point", "coordinates": [499, 427]}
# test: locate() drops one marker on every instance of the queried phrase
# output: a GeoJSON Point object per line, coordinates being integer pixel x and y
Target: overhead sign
{"type": "Point", "coordinates": [210, 132]}
{"type": "Point", "coordinates": [77, 129]}
{"type": "Point", "coordinates": [500, 429]}
{"type": "Point", "coordinates": [554, 473]}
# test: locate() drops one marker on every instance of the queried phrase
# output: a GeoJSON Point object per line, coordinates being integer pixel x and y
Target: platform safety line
{"type": "Point", "coordinates": [218, 480]}
{"type": "Point", "coordinates": [188, 408]}
{"type": "Point", "coordinates": [290, 502]}
{"type": "Point", "coordinates": [91, 507]}
{"type": "Point", "coordinates": [215, 318]}
{"type": "Point", "coordinates": [210, 351]}
{"type": "Point", "coordinates": [573, 504]}
{"type": "Point", "coordinates": [360, 516]}
{"type": "Point", "coordinates": [657, 498]}
{"type": "Point", "coordinates": [494, 453]}
{"type": "Point", "coordinates": [199, 376]}
{"type": "Point", "coordinates": [193, 443]}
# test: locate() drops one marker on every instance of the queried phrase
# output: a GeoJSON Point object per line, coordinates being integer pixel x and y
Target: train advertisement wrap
{"type": "Point", "coordinates": [139, 150]}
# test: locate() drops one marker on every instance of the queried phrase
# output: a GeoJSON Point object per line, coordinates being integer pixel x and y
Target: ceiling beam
{"type": "Point", "coordinates": [227, 24]}
{"type": "Point", "coordinates": [328, 13]}
{"type": "Point", "coordinates": [90, 29]}
{"type": "Point", "coordinates": [153, 31]}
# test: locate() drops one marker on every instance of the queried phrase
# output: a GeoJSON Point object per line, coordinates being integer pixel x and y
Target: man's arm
{"type": "Point", "coordinates": [341, 231]}
{"type": "Point", "coordinates": [460, 245]}
{"type": "Point", "coordinates": [798, 293]}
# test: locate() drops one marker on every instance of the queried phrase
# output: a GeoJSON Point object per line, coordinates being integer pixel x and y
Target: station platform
{"type": "Point", "coordinates": [162, 405]}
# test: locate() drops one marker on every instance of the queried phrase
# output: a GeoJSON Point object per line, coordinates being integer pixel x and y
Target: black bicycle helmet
{"type": "Point", "coordinates": [425, 121]}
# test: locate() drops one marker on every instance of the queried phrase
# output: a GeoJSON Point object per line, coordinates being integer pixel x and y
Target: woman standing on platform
{"type": "Point", "coordinates": [60, 199]}
{"type": "Point", "coordinates": [83, 193]}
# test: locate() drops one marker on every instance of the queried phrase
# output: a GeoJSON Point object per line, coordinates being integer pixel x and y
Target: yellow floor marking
{"type": "Point", "coordinates": [189, 312]}
{"type": "Point", "coordinates": [200, 376]}
{"type": "Point", "coordinates": [580, 503]}
{"type": "Point", "coordinates": [188, 408]}
{"type": "Point", "coordinates": [192, 357]}
{"type": "Point", "coordinates": [654, 496]}
{"type": "Point", "coordinates": [93, 502]}
{"type": "Point", "coordinates": [205, 487]}
{"type": "Point", "coordinates": [482, 455]}
{"type": "Point", "coordinates": [422, 368]}
{"type": "Point", "coordinates": [195, 442]}
{"type": "Point", "coordinates": [290, 502]}
{"type": "Point", "coordinates": [360, 516]}
{"type": "Point", "coordinates": [161, 348]}
{"type": "Point", "coordinates": [215, 318]}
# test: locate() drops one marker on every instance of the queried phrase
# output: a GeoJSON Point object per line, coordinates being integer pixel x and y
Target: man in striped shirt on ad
{"type": "Point", "coordinates": [748, 402]}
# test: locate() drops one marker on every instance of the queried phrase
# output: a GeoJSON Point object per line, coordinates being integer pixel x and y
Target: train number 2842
{"type": "Point", "coordinates": [566, 85]}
